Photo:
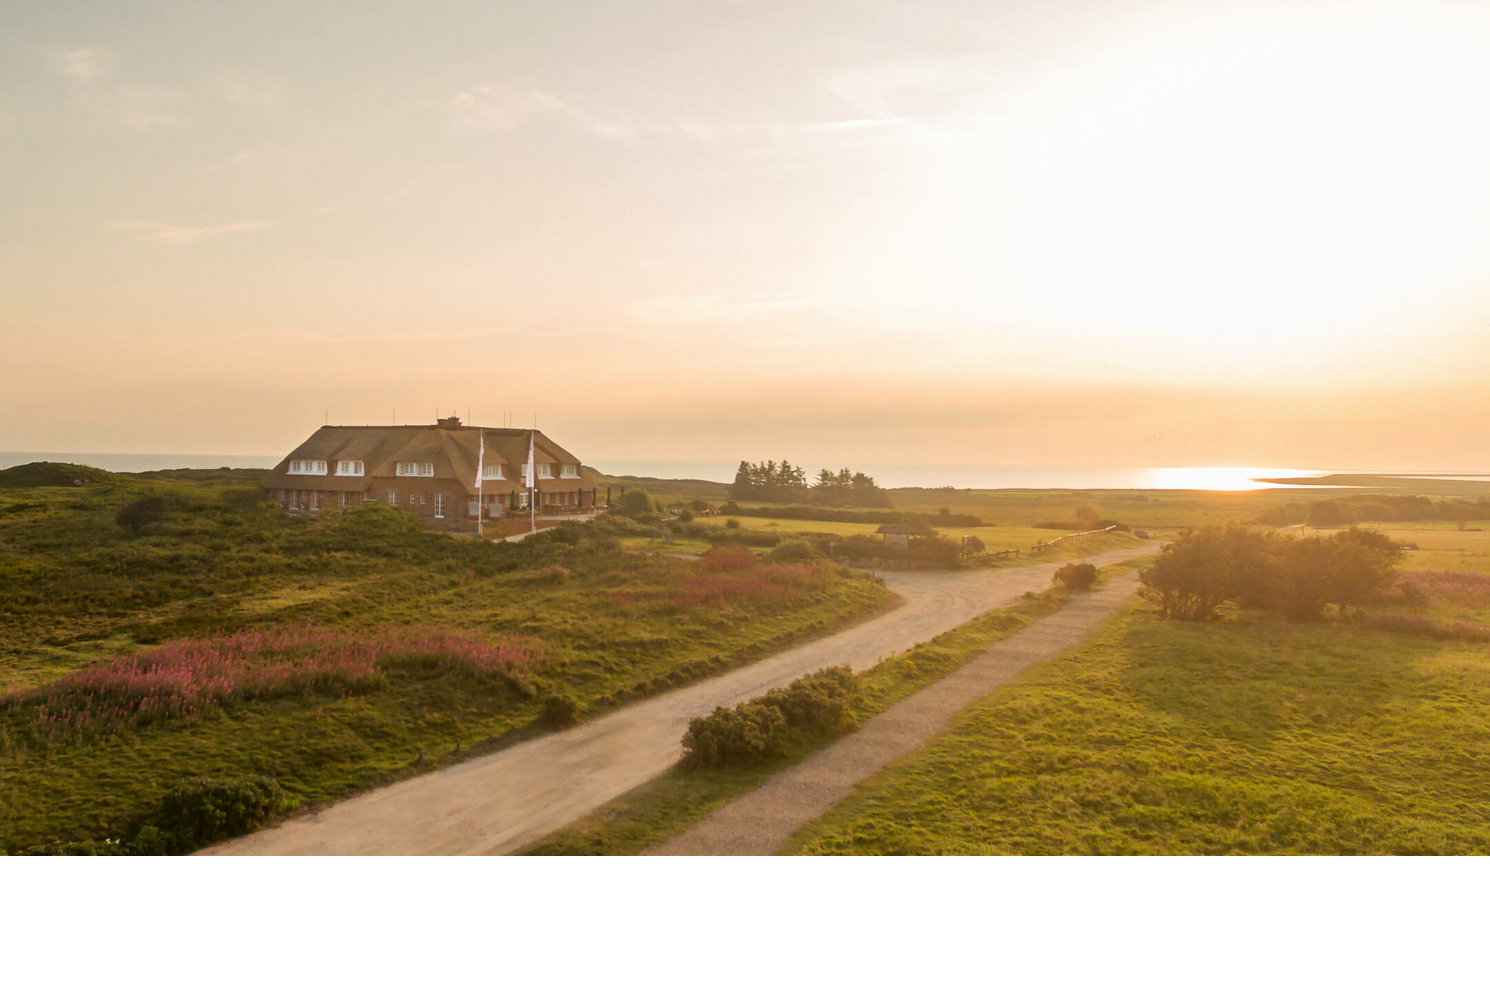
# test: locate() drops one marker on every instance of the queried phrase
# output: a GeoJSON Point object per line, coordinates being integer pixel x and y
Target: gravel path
{"type": "Point", "coordinates": [502, 802]}
{"type": "Point", "coordinates": [758, 822]}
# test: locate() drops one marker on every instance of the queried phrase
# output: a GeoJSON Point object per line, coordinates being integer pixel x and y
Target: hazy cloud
{"type": "Point", "coordinates": [169, 233]}
{"type": "Point", "coordinates": [687, 310]}
{"type": "Point", "coordinates": [135, 108]}
{"type": "Point", "coordinates": [487, 109]}
{"type": "Point", "coordinates": [249, 89]}
{"type": "Point", "coordinates": [80, 64]}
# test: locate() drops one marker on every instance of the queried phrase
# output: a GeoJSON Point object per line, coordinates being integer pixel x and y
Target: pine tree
{"type": "Point", "coordinates": [743, 487]}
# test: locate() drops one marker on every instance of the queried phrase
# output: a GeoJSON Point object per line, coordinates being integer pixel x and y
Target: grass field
{"type": "Point", "coordinates": [1252, 735]}
{"type": "Point", "coordinates": [79, 593]}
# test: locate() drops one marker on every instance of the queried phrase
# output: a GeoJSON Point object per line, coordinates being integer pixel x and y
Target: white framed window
{"type": "Point", "coordinates": [368, 496]}
{"type": "Point", "coordinates": [349, 468]}
{"type": "Point", "coordinates": [315, 468]}
{"type": "Point", "coordinates": [423, 499]}
{"type": "Point", "coordinates": [569, 471]}
{"type": "Point", "coordinates": [345, 499]}
{"type": "Point", "coordinates": [545, 471]}
{"type": "Point", "coordinates": [409, 469]}
{"type": "Point", "coordinates": [284, 497]}
{"type": "Point", "coordinates": [392, 498]}
{"type": "Point", "coordinates": [439, 505]}
{"type": "Point", "coordinates": [473, 507]}
{"type": "Point", "coordinates": [492, 471]}
{"type": "Point", "coordinates": [315, 500]}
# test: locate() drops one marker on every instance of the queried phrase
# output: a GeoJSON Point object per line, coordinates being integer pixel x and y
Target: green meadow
{"type": "Point", "coordinates": [596, 627]}
{"type": "Point", "coordinates": [1251, 734]}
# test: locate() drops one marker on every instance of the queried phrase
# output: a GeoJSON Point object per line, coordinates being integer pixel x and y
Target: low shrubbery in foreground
{"type": "Point", "coordinates": [1076, 576]}
{"type": "Point", "coordinates": [757, 731]}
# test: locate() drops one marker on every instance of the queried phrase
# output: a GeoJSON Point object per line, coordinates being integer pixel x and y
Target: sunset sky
{"type": "Point", "coordinates": [844, 231]}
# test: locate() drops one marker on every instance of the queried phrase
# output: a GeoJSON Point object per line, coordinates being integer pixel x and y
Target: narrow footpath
{"type": "Point", "coordinates": [499, 803]}
{"type": "Point", "coordinates": [760, 821]}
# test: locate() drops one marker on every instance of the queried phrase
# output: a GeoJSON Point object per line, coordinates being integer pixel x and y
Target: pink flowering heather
{"type": "Point", "coordinates": [184, 678]}
{"type": "Point", "coordinates": [1464, 585]}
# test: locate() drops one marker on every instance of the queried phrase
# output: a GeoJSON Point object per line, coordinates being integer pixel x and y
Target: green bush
{"type": "Point", "coordinates": [560, 710]}
{"type": "Point", "coordinates": [636, 502]}
{"type": "Point", "coordinates": [750, 734]}
{"type": "Point", "coordinates": [203, 811]}
{"type": "Point", "coordinates": [818, 705]}
{"type": "Point", "coordinates": [793, 551]}
{"type": "Point", "coordinates": [142, 512]}
{"type": "Point", "coordinates": [1076, 576]}
{"type": "Point", "coordinates": [1206, 568]}
{"type": "Point", "coordinates": [732, 523]}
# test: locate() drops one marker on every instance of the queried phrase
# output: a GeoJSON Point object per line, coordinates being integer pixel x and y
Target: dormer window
{"type": "Point", "coordinates": [492, 471]}
{"type": "Point", "coordinates": [312, 467]}
{"type": "Point", "coordinates": [349, 468]}
{"type": "Point", "coordinates": [415, 469]}
{"type": "Point", "coordinates": [569, 471]}
{"type": "Point", "coordinates": [545, 471]}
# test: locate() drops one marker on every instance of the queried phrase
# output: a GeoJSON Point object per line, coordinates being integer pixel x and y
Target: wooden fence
{"type": "Point", "coordinates": [1040, 546]}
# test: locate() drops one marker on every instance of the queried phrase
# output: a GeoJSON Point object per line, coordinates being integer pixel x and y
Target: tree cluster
{"type": "Point", "coordinates": [1206, 568]}
{"type": "Point", "coordinates": [1375, 507]}
{"type": "Point", "coordinates": [782, 482]}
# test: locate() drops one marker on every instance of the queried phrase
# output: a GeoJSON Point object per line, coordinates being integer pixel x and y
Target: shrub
{"type": "Point", "coordinates": [135, 516]}
{"type": "Point", "coordinates": [817, 705]}
{"type": "Point", "coordinates": [1201, 570]}
{"type": "Point", "coordinates": [636, 502]}
{"type": "Point", "coordinates": [793, 551]}
{"type": "Point", "coordinates": [560, 710]}
{"type": "Point", "coordinates": [733, 523]}
{"type": "Point", "coordinates": [939, 550]}
{"type": "Point", "coordinates": [203, 811]}
{"type": "Point", "coordinates": [750, 734]}
{"type": "Point", "coordinates": [1076, 576]}
{"type": "Point", "coordinates": [685, 516]}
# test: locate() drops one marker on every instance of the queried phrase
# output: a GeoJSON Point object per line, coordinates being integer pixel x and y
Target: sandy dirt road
{"type": "Point", "coordinates": [760, 822]}
{"type": "Point", "coordinates": [501, 802]}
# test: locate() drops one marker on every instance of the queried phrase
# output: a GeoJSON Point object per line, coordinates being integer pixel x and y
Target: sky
{"type": "Point", "coordinates": [848, 231]}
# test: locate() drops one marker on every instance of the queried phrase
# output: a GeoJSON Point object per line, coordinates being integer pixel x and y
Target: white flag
{"type": "Point", "coordinates": [530, 481]}
{"type": "Point", "coordinates": [480, 459]}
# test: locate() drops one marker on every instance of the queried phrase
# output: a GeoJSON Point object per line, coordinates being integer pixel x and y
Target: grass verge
{"type": "Point", "coordinates": [1248, 736]}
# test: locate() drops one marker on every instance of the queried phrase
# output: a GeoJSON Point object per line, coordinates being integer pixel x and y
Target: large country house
{"type": "Point", "coordinates": [429, 470]}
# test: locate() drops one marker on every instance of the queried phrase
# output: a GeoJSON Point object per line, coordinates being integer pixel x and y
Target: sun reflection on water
{"type": "Point", "coordinates": [1216, 478]}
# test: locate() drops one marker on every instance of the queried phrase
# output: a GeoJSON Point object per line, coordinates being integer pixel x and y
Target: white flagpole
{"type": "Point", "coordinates": [480, 469]}
{"type": "Point", "coordinates": [532, 479]}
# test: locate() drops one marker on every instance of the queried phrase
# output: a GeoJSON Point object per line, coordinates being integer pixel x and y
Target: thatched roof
{"type": "Point", "coordinates": [453, 449]}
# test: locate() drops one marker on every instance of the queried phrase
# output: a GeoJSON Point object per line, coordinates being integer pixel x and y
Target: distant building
{"type": "Point", "coordinates": [429, 470]}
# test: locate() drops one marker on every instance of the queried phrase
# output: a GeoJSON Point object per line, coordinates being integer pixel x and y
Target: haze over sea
{"type": "Point", "coordinates": [887, 474]}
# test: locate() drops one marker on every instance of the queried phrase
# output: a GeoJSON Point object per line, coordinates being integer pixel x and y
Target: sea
{"type": "Point", "coordinates": [1219, 478]}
